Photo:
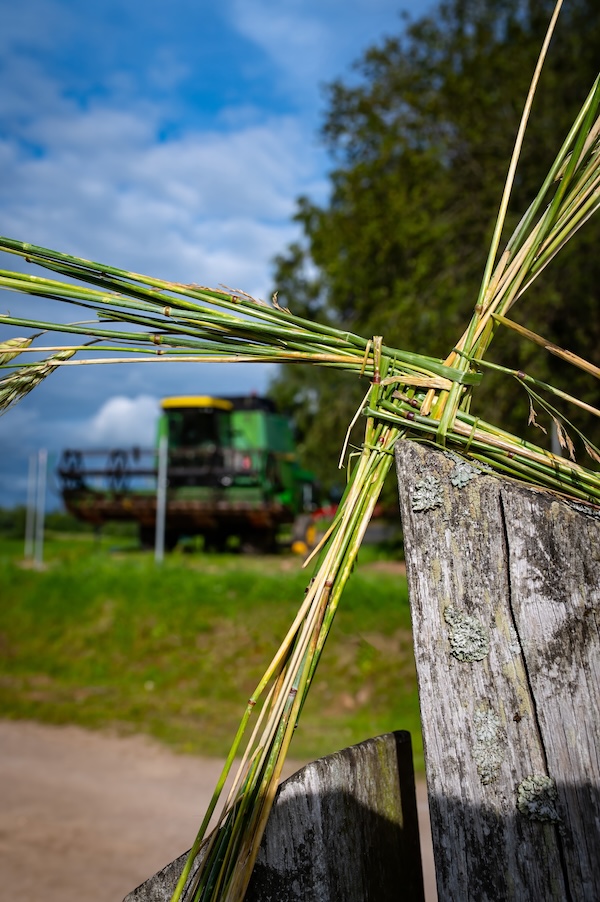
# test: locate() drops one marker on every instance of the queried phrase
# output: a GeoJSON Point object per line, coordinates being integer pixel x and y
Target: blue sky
{"type": "Point", "coordinates": [171, 138]}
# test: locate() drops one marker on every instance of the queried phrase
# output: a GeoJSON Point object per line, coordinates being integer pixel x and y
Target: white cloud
{"type": "Point", "coordinates": [316, 41]}
{"type": "Point", "coordinates": [202, 206]}
{"type": "Point", "coordinates": [288, 32]}
{"type": "Point", "coordinates": [98, 159]}
{"type": "Point", "coordinates": [122, 421]}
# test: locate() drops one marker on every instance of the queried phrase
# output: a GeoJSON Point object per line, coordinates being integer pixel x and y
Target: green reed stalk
{"type": "Point", "coordinates": [411, 396]}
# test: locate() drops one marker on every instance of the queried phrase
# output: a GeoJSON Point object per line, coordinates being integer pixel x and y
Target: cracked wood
{"type": "Point", "coordinates": [505, 590]}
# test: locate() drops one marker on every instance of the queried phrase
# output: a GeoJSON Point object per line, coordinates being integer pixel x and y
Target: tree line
{"type": "Point", "coordinates": [420, 138]}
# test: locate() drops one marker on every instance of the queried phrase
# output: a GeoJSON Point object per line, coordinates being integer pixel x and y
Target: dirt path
{"type": "Point", "coordinates": [86, 817]}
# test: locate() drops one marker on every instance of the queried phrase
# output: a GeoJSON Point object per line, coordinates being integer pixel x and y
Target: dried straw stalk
{"type": "Point", "coordinates": [410, 396]}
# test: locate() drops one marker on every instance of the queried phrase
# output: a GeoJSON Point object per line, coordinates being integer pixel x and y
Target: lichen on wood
{"type": "Point", "coordinates": [520, 568]}
{"type": "Point", "coordinates": [469, 640]}
{"type": "Point", "coordinates": [464, 470]}
{"type": "Point", "coordinates": [537, 797]}
{"type": "Point", "coordinates": [427, 494]}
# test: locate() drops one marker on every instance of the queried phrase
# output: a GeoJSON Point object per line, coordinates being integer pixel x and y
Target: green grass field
{"type": "Point", "coordinates": [103, 638]}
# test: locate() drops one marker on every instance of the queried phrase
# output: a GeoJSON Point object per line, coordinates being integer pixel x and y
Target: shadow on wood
{"type": "Point", "coordinates": [504, 586]}
{"type": "Point", "coordinates": [343, 829]}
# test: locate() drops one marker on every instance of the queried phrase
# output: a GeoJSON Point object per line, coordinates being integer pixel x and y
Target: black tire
{"type": "Point", "coordinates": [259, 542]}
{"type": "Point", "coordinates": [304, 534]}
{"type": "Point", "coordinates": [147, 537]}
{"type": "Point", "coordinates": [171, 540]}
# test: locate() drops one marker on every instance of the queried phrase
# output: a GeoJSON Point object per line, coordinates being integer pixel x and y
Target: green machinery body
{"type": "Point", "coordinates": [231, 471]}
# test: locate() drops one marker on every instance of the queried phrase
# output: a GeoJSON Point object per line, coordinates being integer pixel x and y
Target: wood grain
{"type": "Point", "coordinates": [504, 585]}
{"type": "Point", "coordinates": [343, 829]}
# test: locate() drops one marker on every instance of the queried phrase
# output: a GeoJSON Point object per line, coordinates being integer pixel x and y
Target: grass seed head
{"type": "Point", "coordinates": [21, 382]}
{"type": "Point", "coordinates": [11, 348]}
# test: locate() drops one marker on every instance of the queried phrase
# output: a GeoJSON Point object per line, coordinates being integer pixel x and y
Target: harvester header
{"type": "Point", "coordinates": [231, 472]}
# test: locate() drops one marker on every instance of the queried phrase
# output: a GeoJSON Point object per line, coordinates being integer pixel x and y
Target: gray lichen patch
{"type": "Point", "coordinates": [487, 750]}
{"type": "Point", "coordinates": [469, 639]}
{"type": "Point", "coordinates": [536, 798]}
{"type": "Point", "coordinates": [427, 494]}
{"type": "Point", "coordinates": [464, 471]}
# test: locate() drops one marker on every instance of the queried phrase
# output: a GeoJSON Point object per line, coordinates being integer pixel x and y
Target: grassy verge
{"type": "Point", "coordinates": [103, 638]}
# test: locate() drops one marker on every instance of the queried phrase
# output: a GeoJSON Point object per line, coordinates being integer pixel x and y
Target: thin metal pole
{"type": "Point", "coordinates": [161, 499]}
{"type": "Point", "coordinates": [40, 507]}
{"type": "Point", "coordinates": [30, 512]}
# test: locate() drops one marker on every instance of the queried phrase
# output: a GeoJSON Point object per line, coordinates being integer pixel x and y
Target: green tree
{"type": "Point", "coordinates": [420, 141]}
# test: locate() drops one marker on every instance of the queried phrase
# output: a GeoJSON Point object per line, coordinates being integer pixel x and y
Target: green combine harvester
{"type": "Point", "coordinates": [232, 474]}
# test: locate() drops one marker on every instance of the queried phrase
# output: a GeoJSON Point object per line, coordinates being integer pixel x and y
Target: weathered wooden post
{"type": "Point", "coordinates": [342, 829]}
{"type": "Point", "coordinates": [505, 594]}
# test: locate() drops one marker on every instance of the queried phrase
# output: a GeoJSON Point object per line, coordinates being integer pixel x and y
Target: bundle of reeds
{"type": "Point", "coordinates": [409, 396]}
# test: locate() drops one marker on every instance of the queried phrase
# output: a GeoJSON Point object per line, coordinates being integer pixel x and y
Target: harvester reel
{"type": "Point", "coordinates": [118, 475]}
{"type": "Point", "coordinates": [70, 471]}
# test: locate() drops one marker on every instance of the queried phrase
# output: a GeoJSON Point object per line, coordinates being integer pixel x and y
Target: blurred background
{"type": "Point", "coordinates": [348, 155]}
{"type": "Point", "coordinates": [167, 138]}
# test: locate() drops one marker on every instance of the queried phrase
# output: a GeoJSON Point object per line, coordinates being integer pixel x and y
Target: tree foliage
{"type": "Point", "coordinates": [420, 140]}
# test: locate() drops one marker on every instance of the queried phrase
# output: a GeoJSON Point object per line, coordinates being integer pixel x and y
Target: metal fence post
{"type": "Point", "coordinates": [40, 506]}
{"type": "Point", "coordinates": [30, 510]}
{"type": "Point", "coordinates": [161, 499]}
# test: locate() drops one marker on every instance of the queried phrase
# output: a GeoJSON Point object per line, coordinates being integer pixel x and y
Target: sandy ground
{"type": "Point", "coordinates": [86, 817]}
